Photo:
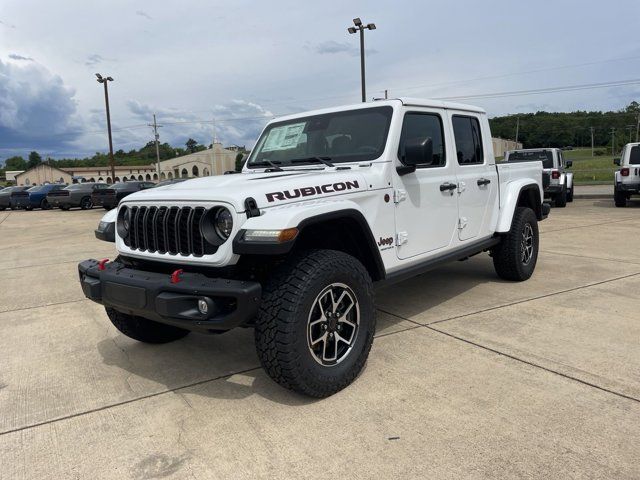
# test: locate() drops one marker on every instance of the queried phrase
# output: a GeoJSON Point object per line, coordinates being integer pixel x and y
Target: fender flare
{"type": "Point", "coordinates": [514, 190]}
{"type": "Point", "coordinates": [306, 215]}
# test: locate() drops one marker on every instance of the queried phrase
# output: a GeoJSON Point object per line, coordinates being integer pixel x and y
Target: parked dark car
{"type": "Point", "coordinates": [109, 197]}
{"type": "Point", "coordinates": [6, 194]}
{"type": "Point", "coordinates": [164, 183]}
{"type": "Point", "coordinates": [35, 197]}
{"type": "Point", "coordinates": [76, 195]}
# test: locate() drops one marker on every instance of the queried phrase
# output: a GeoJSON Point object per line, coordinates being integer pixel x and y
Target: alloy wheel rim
{"type": "Point", "coordinates": [333, 323]}
{"type": "Point", "coordinates": [526, 244]}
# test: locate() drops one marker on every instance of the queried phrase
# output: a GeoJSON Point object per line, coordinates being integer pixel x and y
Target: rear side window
{"type": "Point", "coordinates": [634, 156]}
{"type": "Point", "coordinates": [418, 127]}
{"type": "Point", "coordinates": [466, 131]}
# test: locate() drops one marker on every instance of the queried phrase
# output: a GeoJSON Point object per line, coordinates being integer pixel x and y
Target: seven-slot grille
{"type": "Point", "coordinates": [173, 230]}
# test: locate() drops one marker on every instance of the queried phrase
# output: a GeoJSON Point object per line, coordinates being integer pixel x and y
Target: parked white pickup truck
{"type": "Point", "coordinates": [627, 178]}
{"type": "Point", "coordinates": [329, 204]}
{"type": "Point", "coordinates": [558, 181]}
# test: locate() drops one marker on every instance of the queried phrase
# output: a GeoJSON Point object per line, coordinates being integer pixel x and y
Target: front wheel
{"type": "Point", "coordinates": [144, 330]}
{"type": "Point", "coordinates": [515, 257]}
{"type": "Point", "coordinates": [316, 322]}
{"type": "Point", "coordinates": [620, 198]}
{"type": "Point", "coordinates": [570, 194]}
{"type": "Point", "coordinates": [44, 204]}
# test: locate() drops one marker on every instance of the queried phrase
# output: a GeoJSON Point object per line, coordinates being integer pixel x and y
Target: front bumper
{"type": "Point", "coordinates": [231, 303]}
{"type": "Point", "coordinates": [629, 187]}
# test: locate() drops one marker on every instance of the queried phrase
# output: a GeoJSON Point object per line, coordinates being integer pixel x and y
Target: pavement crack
{"type": "Point", "coordinates": [43, 305]}
{"type": "Point", "coordinates": [587, 226]}
{"type": "Point", "coordinates": [53, 421]}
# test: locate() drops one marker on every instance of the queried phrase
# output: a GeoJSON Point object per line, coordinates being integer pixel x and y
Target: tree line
{"type": "Point", "coordinates": [142, 156]}
{"type": "Point", "coordinates": [549, 129]}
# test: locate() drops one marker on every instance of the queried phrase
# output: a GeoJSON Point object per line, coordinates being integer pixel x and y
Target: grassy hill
{"type": "Point", "coordinates": [588, 169]}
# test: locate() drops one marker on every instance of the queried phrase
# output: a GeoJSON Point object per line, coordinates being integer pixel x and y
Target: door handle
{"type": "Point", "coordinates": [448, 186]}
{"type": "Point", "coordinates": [483, 181]}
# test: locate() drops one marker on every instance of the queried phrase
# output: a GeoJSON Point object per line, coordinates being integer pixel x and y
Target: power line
{"type": "Point", "coordinates": [568, 88]}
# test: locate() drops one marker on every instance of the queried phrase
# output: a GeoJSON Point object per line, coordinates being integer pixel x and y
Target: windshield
{"type": "Point", "coordinates": [121, 186]}
{"type": "Point", "coordinates": [544, 156]}
{"type": "Point", "coordinates": [77, 186]}
{"type": "Point", "coordinates": [37, 189]}
{"type": "Point", "coordinates": [347, 136]}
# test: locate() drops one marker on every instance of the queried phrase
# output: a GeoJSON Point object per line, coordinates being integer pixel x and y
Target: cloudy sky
{"type": "Point", "coordinates": [243, 62]}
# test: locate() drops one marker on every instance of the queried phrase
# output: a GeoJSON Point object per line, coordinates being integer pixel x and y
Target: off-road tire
{"type": "Point", "coordinates": [507, 255]}
{"type": "Point", "coordinates": [144, 330]}
{"type": "Point", "coordinates": [620, 198]}
{"type": "Point", "coordinates": [561, 198]}
{"type": "Point", "coordinates": [86, 203]}
{"type": "Point", "coordinates": [281, 326]}
{"type": "Point", "coordinates": [570, 195]}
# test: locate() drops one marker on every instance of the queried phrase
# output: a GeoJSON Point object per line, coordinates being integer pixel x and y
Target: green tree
{"type": "Point", "coordinates": [34, 160]}
{"type": "Point", "coordinates": [191, 145]}
{"type": "Point", "coordinates": [15, 163]}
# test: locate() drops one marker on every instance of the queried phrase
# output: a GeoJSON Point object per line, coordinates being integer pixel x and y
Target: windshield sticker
{"type": "Point", "coordinates": [284, 138]}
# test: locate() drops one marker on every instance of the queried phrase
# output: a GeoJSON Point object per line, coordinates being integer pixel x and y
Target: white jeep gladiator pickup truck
{"type": "Point", "coordinates": [329, 204]}
{"type": "Point", "coordinates": [557, 180]}
{"type": "Point", "coordinates": [627, 178]}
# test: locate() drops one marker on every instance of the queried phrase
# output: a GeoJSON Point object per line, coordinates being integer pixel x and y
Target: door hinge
{"type": "Point", "coordinates": [461, 187]}
{"type": "Point", "coordinates": [399, 196]}
{"type": "Point", "coordinates": [402, 238]}
{"type": "Point", "coordinates": [462, 222]}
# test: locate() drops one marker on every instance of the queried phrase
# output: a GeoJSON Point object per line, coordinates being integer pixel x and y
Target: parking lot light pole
{"type": "Point", "coordinates": [105, 81]}
{"type": "Point", "coordinates": [359, 26]}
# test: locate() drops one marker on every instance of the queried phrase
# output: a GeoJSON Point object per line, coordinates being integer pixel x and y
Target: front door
{"type": "Point", "coordinates": [477, 177]}
{"type": "Point", "coordinates": [426, 200]}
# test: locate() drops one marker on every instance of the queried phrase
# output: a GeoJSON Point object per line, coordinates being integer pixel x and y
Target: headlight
{"type": "Point", "coordinates": [216, 225]}
{"type": "Point", "coordinates": [223, 222]}
{"type": "Point", "coordinates": [123, 223]}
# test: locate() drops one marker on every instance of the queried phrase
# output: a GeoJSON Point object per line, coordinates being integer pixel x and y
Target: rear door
{"type": "Point", "coordinates": [477, 176]}
{"type": "Point", "coordinates": [426, 201]}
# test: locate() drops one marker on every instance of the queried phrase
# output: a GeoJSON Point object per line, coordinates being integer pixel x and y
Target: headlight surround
{"type": "Point", "coordinates": [217, 225]}
{"type": "Point", "coordinates": [123, 223]}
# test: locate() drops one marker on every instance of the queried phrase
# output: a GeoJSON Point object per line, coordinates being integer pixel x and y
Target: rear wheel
{"type": "Point", "coordinates": [86, 203]}
{"type": "Point", "coordinates": [144, 330]}
{"type": "Point", "coordinates": [44, 204]}
{"type": "Point", "coordinates": [561, 198]}
{"type": "Point", "coordinates": [620, 198]}
{"type": "Point", "coordinates": [516, 256]}
{"type": "Point", "coordinates": [316, 322]}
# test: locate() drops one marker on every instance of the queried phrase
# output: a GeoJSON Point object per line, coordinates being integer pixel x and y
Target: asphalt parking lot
{"type": "Point", "coordinates": [469, 377]}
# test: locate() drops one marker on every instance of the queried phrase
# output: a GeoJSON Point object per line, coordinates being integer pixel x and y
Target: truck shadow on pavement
{"type": "Point", "coordinates": [226, 366]}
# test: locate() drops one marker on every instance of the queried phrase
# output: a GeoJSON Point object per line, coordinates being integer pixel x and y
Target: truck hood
{"type": "Point", "coordinates": [268, 189]}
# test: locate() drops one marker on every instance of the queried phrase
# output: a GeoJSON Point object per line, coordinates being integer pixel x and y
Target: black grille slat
{"type": "Point", "coordinates": [172, 230]}
{"type": "Point", "coordinates": [132, 229]}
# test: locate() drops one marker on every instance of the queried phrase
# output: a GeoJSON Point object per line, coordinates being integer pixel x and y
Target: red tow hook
{"type": "Point", "coordinates": [101, 264]}
{"type": "Point", "coordinates": [175, 276]}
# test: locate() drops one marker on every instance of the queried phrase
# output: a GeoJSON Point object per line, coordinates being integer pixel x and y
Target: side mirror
{"type": "Point", "coordinates": [416, 152]}
{"type": "Point", "coordinates": [616, 161]}
{"type": "Point", "coordinates": [568, 163]}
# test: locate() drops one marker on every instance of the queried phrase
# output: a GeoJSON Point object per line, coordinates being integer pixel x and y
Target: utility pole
{"type": "Point", "coordinates": [213, 149]}
{"type": "Point", "coordinates": [517, 129]}
{"type": "Point", "coordinates": [630, 128]}
{"type": "Point", "coordinates": [386, 94]}
{"type": "Point", "coordinates": [156, 135]}
{"type": "Point", "coordinates": [104, 81]}
{"type": "Point", "coordinates": [359, 26]}
{"type": "Point", "coordinates": [638, 127]}
{"type": "Point", "coordinates": [592, 129]}
{"type": "Point", "coordinates": [613, 141]}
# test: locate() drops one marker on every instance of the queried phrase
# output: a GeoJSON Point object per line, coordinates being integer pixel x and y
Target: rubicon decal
{"type": "Point", "coordinates": [311, 191]}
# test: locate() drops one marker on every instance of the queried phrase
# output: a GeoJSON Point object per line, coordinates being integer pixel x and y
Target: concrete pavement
{"type": "Point", "coordinates": [469, 376]}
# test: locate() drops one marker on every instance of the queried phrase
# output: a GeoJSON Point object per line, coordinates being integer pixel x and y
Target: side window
{"type": "Point", "coordinates": [560, 159]}
{"type": "Point", "coordinates": [418, 127]}
{"type": "Point", "coordinates": [466, 131]}
{"type": "Point", "coordinates": [634, 156]}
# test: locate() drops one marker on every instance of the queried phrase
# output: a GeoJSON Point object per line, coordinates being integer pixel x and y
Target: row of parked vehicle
{"type": "Point", "coordinates": [79, 195]}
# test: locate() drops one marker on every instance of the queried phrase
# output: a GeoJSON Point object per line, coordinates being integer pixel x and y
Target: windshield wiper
{"type": "Point", "coordinates": [265, 161]}
{"type": "Point", "coordinates": [323, 160]}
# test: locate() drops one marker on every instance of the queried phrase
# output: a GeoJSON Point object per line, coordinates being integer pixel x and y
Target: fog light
{"type": "Point", "coordinates": [203, 307]}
